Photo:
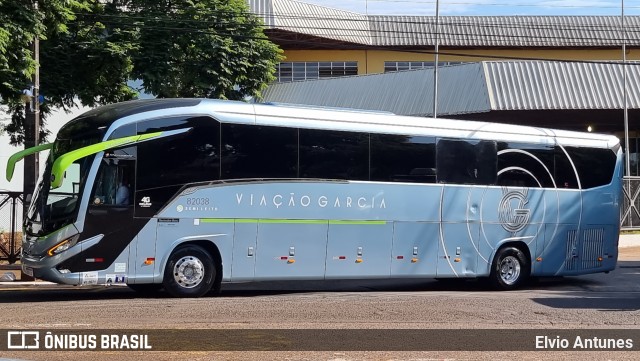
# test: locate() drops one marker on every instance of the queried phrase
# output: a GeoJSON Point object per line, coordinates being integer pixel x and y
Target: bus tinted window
{"type": "Point", "coordinates": [595, 166]}
{"type": "Point", "coordinates": [259, 152]}
{"type": "Point", "coordinates": [525, 165]}
{"type": "Point", "coordinates": [466, 161]}
{"type": "Point", "coordinates": [564, 174]}
{"type": "Point", "coordinates": [184, 158]}
{"type": "Point", "coordinates": [124, 131]}
{"type": "Point", "coordinates": [334, 155]}
{"type": "Point", "coordinates": [402, 158]}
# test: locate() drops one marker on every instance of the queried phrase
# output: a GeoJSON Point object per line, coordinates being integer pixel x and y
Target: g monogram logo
{"type": "Point", "coordinates": [512, 212]}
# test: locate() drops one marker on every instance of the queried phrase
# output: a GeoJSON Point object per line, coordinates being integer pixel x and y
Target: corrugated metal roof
{"type": "Point", "coordinates": [473, 88]}
{"type": "Point", "coordinates": [461, 90]}
{"type": "Point", "coordinates": [504, 31]}
{"type": "Point", "coordinates": [456, 31]}
{"type": "Point", "coordinates": [264, 10]}
{"type": "Point", "coordinates": [532, 85]}
{"type": "Point", "coordinates": [310, 19]}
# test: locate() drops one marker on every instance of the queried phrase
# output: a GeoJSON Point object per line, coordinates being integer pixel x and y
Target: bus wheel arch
{"type": "Point", "coordinates": [193, 269]}
{"type": "Point", "coordinates": [213, 250]}
{"type": "Point", "coordinates": [511, 266]}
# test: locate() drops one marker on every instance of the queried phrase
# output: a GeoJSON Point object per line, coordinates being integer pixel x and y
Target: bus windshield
{"type": "Point", "coordinates": [52, 209]}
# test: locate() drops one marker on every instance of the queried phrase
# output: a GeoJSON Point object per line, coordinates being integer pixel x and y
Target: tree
{"type": "Point", "coordinates": [79, 58]}
{"type": "Point", "coordinates": [207, 48]}
{"type": "Point", "coordinates": [89, 49]}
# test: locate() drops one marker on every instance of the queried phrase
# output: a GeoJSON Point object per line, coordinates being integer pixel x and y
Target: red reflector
{"type": "Point", "coordinates": [342, 257]}
{"type": "Point", "coordinates": [284, 257]}
{"type": "Point", "coordinates": [400, 257]}
{"type": "Point", "coordinates": [99, 259]}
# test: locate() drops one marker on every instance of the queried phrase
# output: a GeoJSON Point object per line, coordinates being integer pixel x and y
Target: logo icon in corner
{"type": "Point", "coordinates": [180, 208]}
{"type": "Point", "coordinates": [512, 212]}
{"type": "Point", "coordinates": [23, 340]}
{"type": "Point", "coordinates": [145, 202]}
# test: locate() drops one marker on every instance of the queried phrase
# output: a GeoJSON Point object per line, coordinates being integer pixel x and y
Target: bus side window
{"type": "Point", "coordinates": [403, 158]}
{"type": "Point", "coordinates": [466, 162]}
{"type": "Point", "coordinates": [114, 183]}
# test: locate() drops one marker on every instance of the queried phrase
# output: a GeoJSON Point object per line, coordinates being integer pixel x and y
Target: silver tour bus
{"type": "Point", "coordinates": [184, 194]}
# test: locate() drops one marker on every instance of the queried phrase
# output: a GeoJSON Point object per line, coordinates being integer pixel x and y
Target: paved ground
{"type": "Point", "coordinates": [586, 302]}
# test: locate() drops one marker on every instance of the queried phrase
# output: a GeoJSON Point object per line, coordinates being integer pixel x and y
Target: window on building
{"type": "Point", "coordinates": [295, 71]}
{"type": "Point", "coordinates": [390, 66]}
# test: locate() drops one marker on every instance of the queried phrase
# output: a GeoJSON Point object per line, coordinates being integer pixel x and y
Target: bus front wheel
{"type": "Point", "coordinates": [510, 269]}
{"type": "Point", "coordinates": [190, 272]}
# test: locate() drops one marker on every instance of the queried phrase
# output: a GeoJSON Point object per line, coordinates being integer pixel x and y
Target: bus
{"type": "Point", "coordinates": [185, 194]}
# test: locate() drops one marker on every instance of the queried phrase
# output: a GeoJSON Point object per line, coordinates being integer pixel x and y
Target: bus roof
{"type": "Point", "coordinates": [290, 115]}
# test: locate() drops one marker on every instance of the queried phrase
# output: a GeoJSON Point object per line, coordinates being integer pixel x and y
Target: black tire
{"type": "Point", "coordinates": [190, 272]}
{"type": "Point", "coordinates": [510, 269]}
{"type": "Point", "coordinates": [146, 288]}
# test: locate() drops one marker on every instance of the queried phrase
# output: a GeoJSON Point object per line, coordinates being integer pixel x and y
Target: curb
{"type": "Point", "coordinates": [629, 240]}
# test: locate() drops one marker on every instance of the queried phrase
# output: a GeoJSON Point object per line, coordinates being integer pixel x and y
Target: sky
{"type": "Point", "coordinates": [485, 7]}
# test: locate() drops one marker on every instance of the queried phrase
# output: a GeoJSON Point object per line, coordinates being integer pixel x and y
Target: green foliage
{"type": "Point", "coordinates": [207, 48]}
{"type": "Point", "coordinates": [89, 49]}
{"type": "Point", "coordinates": [18, 26]}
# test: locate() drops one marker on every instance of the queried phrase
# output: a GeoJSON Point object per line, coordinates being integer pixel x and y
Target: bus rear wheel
{"type": "Point", "coordinates": [190, 272]}
{"type": "Point", "coordinates": [510, 269]}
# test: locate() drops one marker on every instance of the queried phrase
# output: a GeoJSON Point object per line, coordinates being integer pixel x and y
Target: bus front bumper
{"type": "Point", "coordinates": [46, 267]}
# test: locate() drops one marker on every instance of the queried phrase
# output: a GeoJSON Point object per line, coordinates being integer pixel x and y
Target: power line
{"type": "Point", "coordinates": [567, 38]}
{"type": "Point", "coordinates": [138, 21]}
{"type": "Point", "coordinates": [517, 23]}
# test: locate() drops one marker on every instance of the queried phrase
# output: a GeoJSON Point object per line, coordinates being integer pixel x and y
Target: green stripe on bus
{"type": "Point", "coordinates": [63, 161]}
{"type": "Point", "coordinates": [227, 220]}
{"type": "Point", "coordinates": [11, 163]}
{"type": "Point", "coordinates": [289, 221]}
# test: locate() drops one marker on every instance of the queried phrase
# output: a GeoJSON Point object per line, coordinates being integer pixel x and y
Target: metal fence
{"type": "Point", "coordinates": [10, 226]}
{"type": "Point", "coordinates": [630, 211]}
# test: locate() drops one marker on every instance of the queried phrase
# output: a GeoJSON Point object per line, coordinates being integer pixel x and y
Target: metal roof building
{"type": "Point", "coordinates": [567, 95]}
{"type": "Point", "coordinates": [289, 21]}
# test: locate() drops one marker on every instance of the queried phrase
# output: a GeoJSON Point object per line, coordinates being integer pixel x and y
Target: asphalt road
{"type": "Point", "coordinates": [610, 301]}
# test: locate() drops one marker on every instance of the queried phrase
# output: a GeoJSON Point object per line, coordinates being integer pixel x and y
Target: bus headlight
{"type": "Point", "coordinates": [62, 246]}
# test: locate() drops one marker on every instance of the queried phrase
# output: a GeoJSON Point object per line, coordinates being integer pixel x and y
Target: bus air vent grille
{"type": "Point", "coordinates": [571, 259]}
{"type": "Point", "coordinates": [592, 247]}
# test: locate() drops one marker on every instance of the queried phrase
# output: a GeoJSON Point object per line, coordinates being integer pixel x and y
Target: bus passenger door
{"type": "Point", "coordinates": [110, 212]}
{"type": "Point", "coordinates": [291, 249]}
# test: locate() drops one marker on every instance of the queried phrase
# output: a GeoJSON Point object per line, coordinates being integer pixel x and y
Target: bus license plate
{"type": "Point", "coordinates": [28, 271]}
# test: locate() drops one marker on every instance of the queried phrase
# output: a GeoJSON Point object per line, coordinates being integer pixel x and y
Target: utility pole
{"type": "Point", "coordinates": [436, 61]}
{"type": "Point", "coordinates": [32, 126]}
{"type": "Point", "coordinates": [625, 105]}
